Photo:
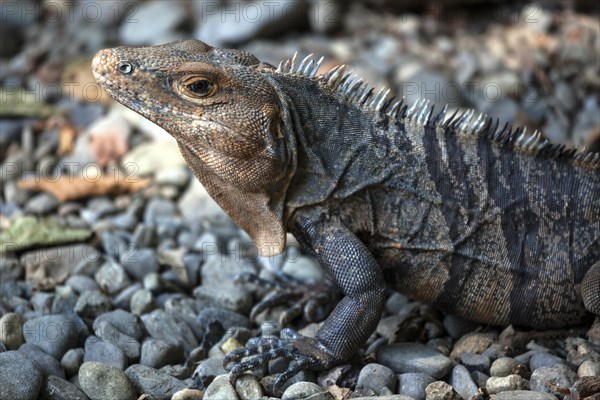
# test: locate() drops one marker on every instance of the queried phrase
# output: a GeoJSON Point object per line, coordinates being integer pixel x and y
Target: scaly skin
{"type": "Point", "coordinates": [494, 225]}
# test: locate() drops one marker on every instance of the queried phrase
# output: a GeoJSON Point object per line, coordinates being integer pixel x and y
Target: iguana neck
{"type": "Point", "coordinates": [337, 143]}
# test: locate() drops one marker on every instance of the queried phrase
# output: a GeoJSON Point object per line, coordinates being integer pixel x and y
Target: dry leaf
{"type": "Point", "coordinates": [73, 188]}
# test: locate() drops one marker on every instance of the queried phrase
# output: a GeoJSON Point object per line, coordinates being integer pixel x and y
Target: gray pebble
{"type": "Point", "coordinates": [440, 390]}
{"type": "Point", "coordinates": [11, 331]}
{"type": "Point", "coordinates": [55, 334]}
{"type": "Point", "coordinates": [227, 318]}
{"type": "Point", "coordinates": [157, 385]}
{"type": "Point", "coordinates": [59, 389]}
{"type": "Point", "coordinates": [414, 357]}
{"type": "Point", "coordinates": [91, 304]}
{"type": "Point", "coordinates": [558, 374]}
{"type": "Point", "coordinates": [413, 384]}
{"type": "Point", "coordinates": [19, 376]}
{"type": "Point", "coordinates": [164, 326]}
{"type": "Point", "coordinates": [461, 381]}
{"type": "Point", "coordinates": [104, 352]}
{"type": "Point", "coordinates": [543, 359]}
{"type": "Point", "coordinates": [475, 362]}
{"type": "Point", "coordinates": [479, 378]}
{"type": "Point", "coordinates": [142, 302]}
{"type": "Point", "coordinates": [503, 367]}
{"type": "Point", "coordinates": [104, 382]}
{"type": "Point", "coordinates": [142, 262]}
{"type": "Point", "coordinates": [111, 277]}
{"type": "Point", "coordinates": [375, 377]}
{"type": "Point", "coordinates": [177, 176]}
{"type": "Point", "coordinates": [220, 388]}
{"type": "Point", "coordinates": [125, 322]}
{"type": "Point", "coordinates": [157, 353]}
{"type": "Point", "coordinates": [219, 270]}
{"type": "Point", "coordinates": [207, 371]}
{"type": "Point", "coordinates": [41, 204]}
{"type": "Point", "coordinates": [158, 210]}
{"type": "Point", "coordinates": [458, 327]}
{"type": "Point", "coordinates": [510, 382]}
{"type": "Point", "coordinates": [42, 302]}
{"type": "Point", "coordinates": [109, 333]}
{"type": "Point", "coordinates": [81, 283]}
{"type": "Point", "coordinates": [229, 297]}
{"type": "Point", "coordinates": [47, 364]}
{"type": "Point", "coordinates": [71, 361]}
{"type": "Point", "coordinates": [522, 395]}
{"type": "Point", "coordinates": [123, 299]}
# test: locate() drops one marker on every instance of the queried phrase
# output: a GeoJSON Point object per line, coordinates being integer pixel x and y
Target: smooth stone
{"type": "Point", "coordinates": [157, 385]}
{"type": "Point", "coordinates": [112, 277]}
{"type": "Point", "coordinates": [19, 376]}
{"type": "Point", "coordinates": [124, 322]}
{"type": "Point", "coordinates": [81, 283]}
{"type": "Point", "coordinates": [60, 389]}
{"type": "Point", "coordinates": [206, 371]}
{"type": "Point", "coordinates": [142, 302]}
{"type": "Point", "coordinates": [227, 318]}
{"type": "Point", "coordinates": [475, 362]}
{"type": "Point", "coordinates": [163, 326]}
{"type": "Point", "coordinates": [522, 395]}
{"type": "Point", "coordinates": [413, 384]}
{"type": "Point", "coordinates": [55, 334]}
{"type": "Point", "coordinates": [375, 377]}
{"type": "Point", "coordinates": [461, 381]}
{"type": "Point", "coordinates": [71, 361]}
{"type": "Point", "coordinates": [414, 357]}
{"type": "Point", "coordinates": [543, 359]}
{"type": "Point", "coordinates": [11, 331]}
{"type": "Point", "coordinates": [220, 388]}
{"type": "Point", "coordinates": [305, 390]}
{"type": "Point", "coordinates": [47, 364]}
{"type": "Point", "coordinates": [104, 382]}
{"type": "Point", "coordinates": [142, 263]}
{"type": "Point", "coordinates": [109, 333]}
{"type": "Point", "coordinates": [107, 353]}
{"type": "Point", "coordinates": [559, 374]}
{"type": "Point", "coordinates": [503, 367]}
{"type": "Point", "coordinates": [157, 353]}
{"type": "Point", "coordinates": [92, 303]}
{"type": "Point", "coordinates": [502, 384]}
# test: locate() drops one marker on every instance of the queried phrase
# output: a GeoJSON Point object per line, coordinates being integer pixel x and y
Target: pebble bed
{"type": "Point", "coordinates": [146, 302]}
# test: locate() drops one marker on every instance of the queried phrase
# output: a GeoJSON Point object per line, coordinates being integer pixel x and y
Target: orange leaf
{"type": "Point", "coordinates": [73, 188]}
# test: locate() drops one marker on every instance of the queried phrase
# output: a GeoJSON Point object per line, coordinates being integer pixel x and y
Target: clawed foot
{"type": "Point", "coordinates": [313, 302]}
{"type": "Point", "coordinates": [304, 353]}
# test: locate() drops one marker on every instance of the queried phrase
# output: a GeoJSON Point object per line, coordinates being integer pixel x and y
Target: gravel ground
{"type": "Point", "coordinates": [117, 270]}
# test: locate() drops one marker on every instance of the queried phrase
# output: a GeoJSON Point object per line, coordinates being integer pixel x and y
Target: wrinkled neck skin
{"type": "Point", "coordinates": [340, 149]}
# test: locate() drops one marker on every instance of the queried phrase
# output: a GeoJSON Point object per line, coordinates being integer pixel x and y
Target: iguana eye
{"type": "Point", "coordinates": [198, 87]}
{"type": "Point", "coordinates": [125, 67]}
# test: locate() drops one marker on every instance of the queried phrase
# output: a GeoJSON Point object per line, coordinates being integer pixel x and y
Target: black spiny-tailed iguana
{"type": "Point", "coordinates": [492, 224]}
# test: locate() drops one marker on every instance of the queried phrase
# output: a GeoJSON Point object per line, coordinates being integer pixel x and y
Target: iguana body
{"type": "Point", "coordinates": [489, 223]}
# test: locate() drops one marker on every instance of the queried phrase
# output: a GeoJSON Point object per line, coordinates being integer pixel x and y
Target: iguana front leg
{"type": "Point", "coordinates": [590, 293]}
{"type": "Point", "coordinates": [350, 264]}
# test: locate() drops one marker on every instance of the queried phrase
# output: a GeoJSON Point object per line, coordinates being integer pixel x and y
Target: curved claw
{"type": "Point", "coordinates": [274, 299]}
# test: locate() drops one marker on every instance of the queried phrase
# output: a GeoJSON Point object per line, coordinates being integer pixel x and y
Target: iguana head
{"type": "Point", "coordinates": [226, 118]}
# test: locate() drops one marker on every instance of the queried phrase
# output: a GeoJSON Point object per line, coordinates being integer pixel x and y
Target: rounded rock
{"type": "Point", "coordinates": [104, 382]}
{"type": "Point", "coordinates": [11, 331]}
{"type": "Point", "coordinates": [19, 377]}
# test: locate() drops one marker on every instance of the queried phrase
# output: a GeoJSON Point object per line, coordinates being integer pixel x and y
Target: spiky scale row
{"type": "Point", "coordinates": [356, 90]}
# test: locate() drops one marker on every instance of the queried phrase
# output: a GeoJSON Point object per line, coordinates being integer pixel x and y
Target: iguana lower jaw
{"type": "Point", "coordinates": [225, 118]}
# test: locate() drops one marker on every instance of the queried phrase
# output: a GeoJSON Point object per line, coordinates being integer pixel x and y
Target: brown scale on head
{"type": "Point", "coordinates": [225, 118]}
